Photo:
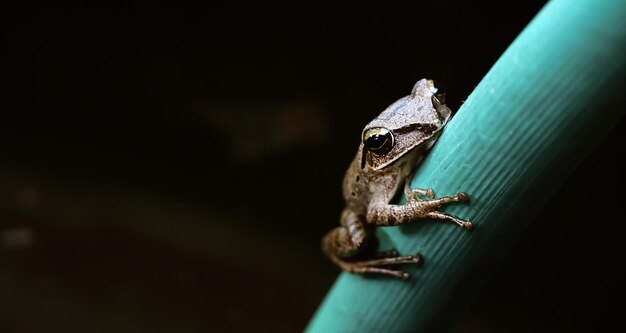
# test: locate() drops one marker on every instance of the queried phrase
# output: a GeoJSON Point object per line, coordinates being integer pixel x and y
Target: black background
{"type": "Point", "coordinates": [172, 166]}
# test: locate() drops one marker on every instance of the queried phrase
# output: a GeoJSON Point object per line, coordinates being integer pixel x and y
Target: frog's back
{"type": "Point", "coordinates": [356, 190]}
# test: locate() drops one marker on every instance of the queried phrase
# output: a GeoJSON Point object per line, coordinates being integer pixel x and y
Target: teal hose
{"type": "Point", "coordinates": [546, 104]}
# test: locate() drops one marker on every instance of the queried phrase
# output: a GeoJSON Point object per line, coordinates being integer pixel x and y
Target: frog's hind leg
{"type": "Point", "coordinates": [390, 259]}
{"type": "Point", "coordinates": [373, 266]}
{"type": "Point", "coordinates": [350, 240]}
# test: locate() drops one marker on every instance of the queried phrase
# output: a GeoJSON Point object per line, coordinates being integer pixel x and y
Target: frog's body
{"type": "Point", "coordinates": [392, 146]}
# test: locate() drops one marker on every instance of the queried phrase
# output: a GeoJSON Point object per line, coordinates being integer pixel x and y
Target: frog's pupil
{"type": "Point", "coordinates": [376, 141]}
{"type": "Point", "coordinates": [379, 143]}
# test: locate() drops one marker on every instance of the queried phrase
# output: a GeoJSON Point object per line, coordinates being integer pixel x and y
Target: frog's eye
{"type": "Point", "coordinates": [438, 91]}
{"type": "Point", "coordinates": [378, 140]}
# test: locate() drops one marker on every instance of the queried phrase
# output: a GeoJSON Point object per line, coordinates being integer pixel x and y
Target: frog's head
{"type": "Point", "coordinates": [413, 122]}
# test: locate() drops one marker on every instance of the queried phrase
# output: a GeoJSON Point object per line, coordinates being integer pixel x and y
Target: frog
{"type": "Point", "coordinates": [392, 146]}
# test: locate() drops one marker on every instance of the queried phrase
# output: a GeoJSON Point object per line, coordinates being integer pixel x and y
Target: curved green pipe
{"type": "Point", "coordinates": [540, 110]}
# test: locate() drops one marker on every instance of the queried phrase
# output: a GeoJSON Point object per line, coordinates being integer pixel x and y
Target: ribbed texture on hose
{"type": "Point", "coordinates": [539, 111]}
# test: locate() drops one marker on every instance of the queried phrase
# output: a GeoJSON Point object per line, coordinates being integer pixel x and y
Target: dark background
{"type": "Point", "coordinates": [169, 166]}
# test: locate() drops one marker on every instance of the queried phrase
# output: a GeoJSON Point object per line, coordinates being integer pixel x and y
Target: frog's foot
{"type": "Point", "coordinates": [417, 193]}
{"type": "Point", "coordinates": [435, 203]}
{"type": "Point", "coordinates": [437, 215]}
{"type": "Point", "coordinates": [372, 266]}
{"type": "Point", "coordinates": [430, 208]}
{"type": "Point", "coordinates": [421, 193]}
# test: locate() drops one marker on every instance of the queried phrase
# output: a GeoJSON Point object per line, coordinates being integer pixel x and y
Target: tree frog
{"type": "Point", "coordinates": [391, 147]}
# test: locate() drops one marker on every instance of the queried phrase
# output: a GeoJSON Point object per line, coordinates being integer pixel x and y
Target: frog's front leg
{"type": "Point", "coordinates": [384, 214]}
{"type": "Point", "coordinates": [346, 242]}
{"type": "Point", "coordinates": [414, 193]}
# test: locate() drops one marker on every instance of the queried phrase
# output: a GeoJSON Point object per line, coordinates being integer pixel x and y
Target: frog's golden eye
{"type": "Point", "coordinates": [378, 140]}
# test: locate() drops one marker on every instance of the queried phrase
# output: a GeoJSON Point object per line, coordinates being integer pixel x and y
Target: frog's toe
{"type": "Point", "coordinates": [462, 197]}
{"type": "Point", "coordinates": [467, 225]}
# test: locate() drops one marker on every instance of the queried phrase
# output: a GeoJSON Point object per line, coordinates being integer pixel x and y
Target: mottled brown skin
{"type": "Point", "coordinates": [411, 125]}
